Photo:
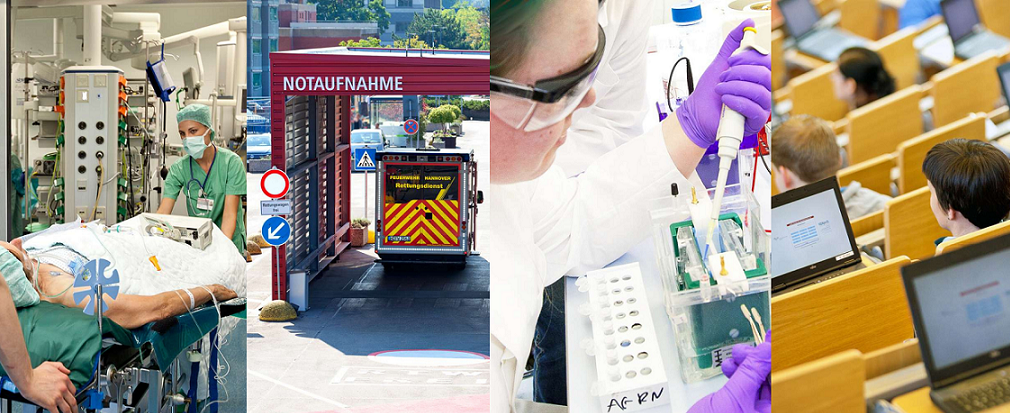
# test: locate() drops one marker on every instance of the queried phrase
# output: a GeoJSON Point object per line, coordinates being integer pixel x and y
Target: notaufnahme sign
{"type": "Point", "coordinates": [343, 83]}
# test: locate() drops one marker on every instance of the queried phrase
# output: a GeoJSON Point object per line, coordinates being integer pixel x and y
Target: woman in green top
{"type": "Point", "coordinates": [212, 178]}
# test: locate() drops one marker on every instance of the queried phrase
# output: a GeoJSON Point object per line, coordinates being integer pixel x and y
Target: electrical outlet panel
{"type": "Point", "coordinates": [91, 124]}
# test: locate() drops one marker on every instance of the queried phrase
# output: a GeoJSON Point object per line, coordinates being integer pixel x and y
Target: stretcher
{"type": "Point", "coordinates": [135, 370]}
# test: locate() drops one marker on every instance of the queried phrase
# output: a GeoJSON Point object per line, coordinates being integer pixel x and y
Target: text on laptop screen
{"type": "Point", "coordinates": [964, 309]}
{"type": "Point", "coordinates": [808, 231]}
{"type": "Point", "coordinates": [800, 16]}
{"type": "Point", "coordinates": [961, 18]}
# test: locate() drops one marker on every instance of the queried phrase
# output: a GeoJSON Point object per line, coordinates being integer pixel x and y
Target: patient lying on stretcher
{"type": "Point", "coordinates": [54, 282]}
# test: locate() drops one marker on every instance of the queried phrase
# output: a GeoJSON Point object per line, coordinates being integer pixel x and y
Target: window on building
{"type": "Point", "coordinates": [273, 14]}
{"type": "Point", "coordinates": [255, 14]}
{"type": "Point", "coordinates": [257, 80]}
{"type": "Point", "coordinates": [257, 47]}
{"type": "Point", "coordinates": [404, 3]}
{"type": "Point", "coordinates": [273, 45]}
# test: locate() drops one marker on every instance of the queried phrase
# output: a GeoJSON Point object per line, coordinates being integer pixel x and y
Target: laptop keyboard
{"type": "Point", "coordinates": [986, 396]}
{"type": "Point", "coordinates": [980, 43]}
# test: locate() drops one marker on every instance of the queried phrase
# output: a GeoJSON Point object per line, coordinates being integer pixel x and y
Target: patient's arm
{"type": "Point", "coordinates": [131, 311]}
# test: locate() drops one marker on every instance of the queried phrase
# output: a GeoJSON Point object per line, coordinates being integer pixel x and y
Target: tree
{"type": "Point", "coordinates": [353, 10]}
{"type": "Point", "coordinates": [475, 24]}
{"type": "Point", "coordinates": [413, 43]}
{"type": "Point", "coordinates": [445, 115]}
{"type": "Point", "coordinates": [440, 25]}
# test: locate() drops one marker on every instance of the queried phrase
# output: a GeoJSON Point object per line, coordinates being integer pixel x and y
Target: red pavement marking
{"type": "Point", "coordinates": [479, 403]}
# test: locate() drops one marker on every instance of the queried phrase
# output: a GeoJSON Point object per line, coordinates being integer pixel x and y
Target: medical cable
{"type": "Point", "coordinates": [221, 377]}
{"type": "Point", "coordinates": [730, 135]}
{"type": "Point", "coordinates": [35, 280]}
{"type": "Point", "coordinates": [101, 176]}
{"type": "Point", "coordinates": [669, 82]}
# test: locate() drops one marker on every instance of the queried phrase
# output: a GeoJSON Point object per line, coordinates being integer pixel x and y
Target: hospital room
{"type": "Point", "coordinates": [124, 242]}
{"type": "Point", "coordinates": [891, 130]}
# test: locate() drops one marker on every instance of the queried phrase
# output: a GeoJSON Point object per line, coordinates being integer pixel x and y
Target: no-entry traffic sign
{"type": "Point", "coordinates": [410, 126]}
{"type": "Point", "coordinates": [275, 183]}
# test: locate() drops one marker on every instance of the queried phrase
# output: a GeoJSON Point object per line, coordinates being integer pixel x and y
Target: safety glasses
{"type": "Point", "coordinates": [548, 101]}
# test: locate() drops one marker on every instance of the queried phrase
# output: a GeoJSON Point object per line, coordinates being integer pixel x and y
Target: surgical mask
{"type": "Point", "coordinates": [195, 145]}
{"type": "Point", "coordinates": [21, 289]}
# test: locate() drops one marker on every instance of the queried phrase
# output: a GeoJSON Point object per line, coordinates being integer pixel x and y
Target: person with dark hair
{"type": "Point", "coordinates": [861, 77]}
{"type": "Point", "coordinates": [969, 185]}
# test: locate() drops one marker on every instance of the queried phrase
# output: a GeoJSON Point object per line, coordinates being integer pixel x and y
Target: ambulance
{"type": "Point", "coordinates": [426, 206]}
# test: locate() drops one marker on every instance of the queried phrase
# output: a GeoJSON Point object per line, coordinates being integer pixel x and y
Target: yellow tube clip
{"type": "Point", "coordinates": [154, 261]}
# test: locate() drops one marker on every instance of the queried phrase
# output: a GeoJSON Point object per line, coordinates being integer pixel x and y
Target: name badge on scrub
{"type": "Point", "coordinates": [205, 204]}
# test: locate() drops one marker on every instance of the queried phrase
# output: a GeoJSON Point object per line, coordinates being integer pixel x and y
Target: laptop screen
{"type": "Point", "coordinates": [960, 303]}
{"type": "Point", "coordinates": [971, 299]}
{"type": "Point", "coordinates": [800, 16]}
{"type": "Point", "coordinates": [1004, 77]}
{"type": "Point", "coordinates": [961, 17]}
{"type": "Point", "coordinates": [810, 230]}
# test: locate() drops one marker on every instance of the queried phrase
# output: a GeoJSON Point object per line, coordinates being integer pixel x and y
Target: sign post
{"type": "Point", "coordinates": [276, 230]}
{"type": "Point", "coordinates": [411, 128]}
{"type": "Point", "coordinates": [365, 162]}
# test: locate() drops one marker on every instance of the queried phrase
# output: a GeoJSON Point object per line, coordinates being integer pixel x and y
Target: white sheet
{"type": "Point", "coordinates": [182, 266]}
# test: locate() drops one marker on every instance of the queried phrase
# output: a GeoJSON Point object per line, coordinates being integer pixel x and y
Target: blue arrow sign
{"type": "Point", "coordinates": [276, 231]}
{"type": "Point", "coordinates": [364, 159]}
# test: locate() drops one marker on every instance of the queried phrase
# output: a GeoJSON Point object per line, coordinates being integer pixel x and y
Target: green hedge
{"type": "Point", "coordinates": [477, 104]}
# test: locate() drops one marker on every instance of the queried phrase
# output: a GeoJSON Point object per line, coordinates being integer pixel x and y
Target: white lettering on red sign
{"type": "Point", "coordinates": [343, 83]}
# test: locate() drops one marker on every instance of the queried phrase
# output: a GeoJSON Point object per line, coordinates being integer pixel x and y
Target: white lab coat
{"type": "Point", "coordinates": [545, 228]}
{"type": "Point", "coordinates": [620, 84]}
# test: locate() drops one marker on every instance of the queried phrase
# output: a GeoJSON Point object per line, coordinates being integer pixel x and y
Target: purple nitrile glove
{"type": "Point", "coordinates": [740, 353]}
{"type": "Point", "coordinates": [744, 392]}
{"type": "Point", "coordinates": [742, 82]}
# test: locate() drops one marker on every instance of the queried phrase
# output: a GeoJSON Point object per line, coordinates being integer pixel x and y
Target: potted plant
{"type": "Point", "coordinates": [359, 232]}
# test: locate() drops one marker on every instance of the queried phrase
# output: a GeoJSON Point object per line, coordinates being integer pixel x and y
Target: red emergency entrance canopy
{"type": "Point", "coordinates": [310, 124]}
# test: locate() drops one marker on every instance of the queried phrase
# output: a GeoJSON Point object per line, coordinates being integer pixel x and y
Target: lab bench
{"type": "Point", "coordinates": [581, 367]}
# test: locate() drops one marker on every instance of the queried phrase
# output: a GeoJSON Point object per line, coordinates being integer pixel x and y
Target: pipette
{"type": "Point", "coordinates": [730, 134]}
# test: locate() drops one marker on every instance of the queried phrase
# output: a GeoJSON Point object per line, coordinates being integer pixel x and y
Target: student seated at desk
{"type": "Point", "coordinates": [861, 77]}
{"type": "Point", "coordinates": [914, 12]}
{"type": "Point", "coordinates": [806, 151]}
{"type": "Point", "coordinates": [969, 185]}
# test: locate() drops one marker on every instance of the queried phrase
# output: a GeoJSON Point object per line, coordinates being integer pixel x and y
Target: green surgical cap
{"type": "Point", "coordinates": [195, 112]}
{"type": "Point", "coordinates": [21, 289]}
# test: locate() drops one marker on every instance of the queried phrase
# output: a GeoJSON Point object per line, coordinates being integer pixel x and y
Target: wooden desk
{"type": "Point", "coordinates": [918, 401]}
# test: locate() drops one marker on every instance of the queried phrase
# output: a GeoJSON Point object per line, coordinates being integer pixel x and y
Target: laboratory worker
{"type": "Point", "coordinates": [545, 57]}
{"type": "Point", "coordinates": [212, 178]}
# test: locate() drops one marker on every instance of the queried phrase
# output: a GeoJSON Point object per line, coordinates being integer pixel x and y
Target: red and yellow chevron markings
{"type": "Point", "coordinates": [407, 223]}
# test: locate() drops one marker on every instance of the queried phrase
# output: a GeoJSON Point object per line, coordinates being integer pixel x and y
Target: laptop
{"type": "Point", "coordinates": [826, 43]}
{"type": "Point", "coordinates": [1003, 71]}
{"type": "Point", "coordinates": [960, 304]}
{"type": "Point", "coordinates": [969, 35]}
{"type": "Point", "coordinates": [811, 237]}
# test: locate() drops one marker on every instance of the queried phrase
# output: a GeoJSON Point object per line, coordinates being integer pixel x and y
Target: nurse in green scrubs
{"type": "Point", "coordinates": [212, 178]}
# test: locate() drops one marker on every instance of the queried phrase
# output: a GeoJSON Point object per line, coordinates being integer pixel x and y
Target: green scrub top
{"type": "Point", "coordinates": [15, 203]}
{"type": "Point", "coordinates": [227, 177]}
